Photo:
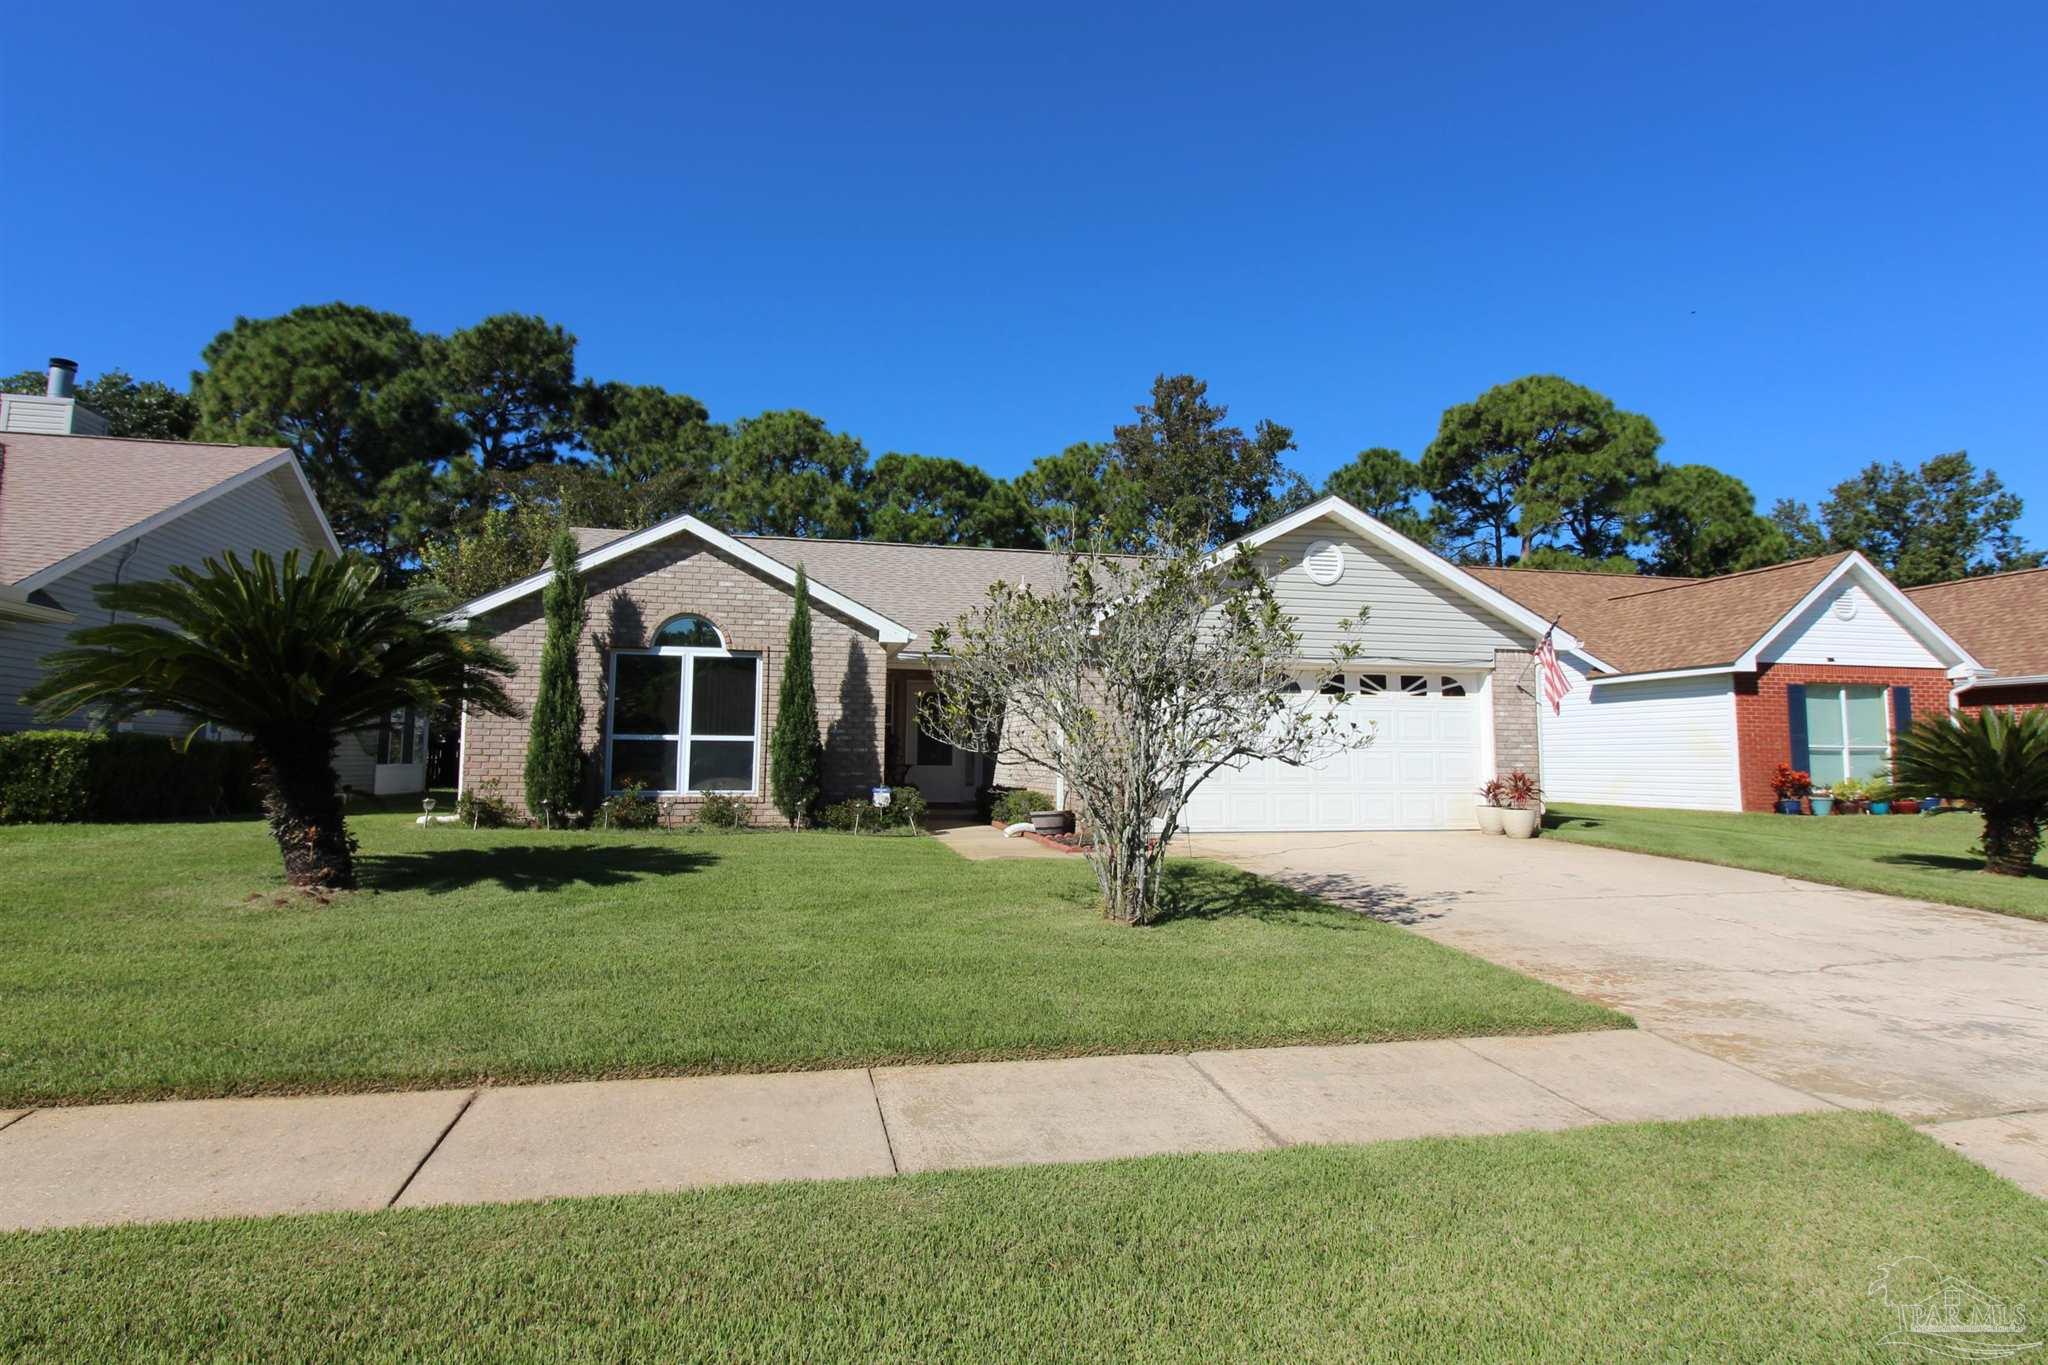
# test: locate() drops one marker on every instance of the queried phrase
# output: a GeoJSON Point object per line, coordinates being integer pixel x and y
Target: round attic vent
{"type": "Point", "coordinates": [1323, 562]}
{"type": "Point", "coordinates": [1845, 608]}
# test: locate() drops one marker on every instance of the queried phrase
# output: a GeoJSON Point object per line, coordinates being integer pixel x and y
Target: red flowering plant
{"type": "Point", "coordinates": [1791, 783]}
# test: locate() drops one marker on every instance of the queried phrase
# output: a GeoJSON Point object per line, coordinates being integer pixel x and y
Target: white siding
{"type": "Point", "coordinates": [1669, 743]}
{"type": "Point", "coordinates": [1871, 636]}
{"type": "Point", "coordinates": [265, 514]}
{"type": "Point", "coordinates": [50, 416]}
{"type": "Point", "coordinates": [1412, 617]}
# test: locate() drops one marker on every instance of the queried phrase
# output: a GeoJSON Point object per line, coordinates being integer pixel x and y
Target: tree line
{"type": "Point", "coordinates": [457, 457]}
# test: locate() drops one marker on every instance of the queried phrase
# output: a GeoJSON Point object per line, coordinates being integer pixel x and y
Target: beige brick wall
{"type": "Point", "coordinates": [1515, 688]}
{"type": "Point", "coordinates": [629, 599]}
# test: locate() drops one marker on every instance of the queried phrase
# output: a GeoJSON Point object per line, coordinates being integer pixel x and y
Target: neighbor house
{"type": "Point", "coordinates": [1685, 693]}
{"type": "Point", "coordinates": [2003, 619]}
{"type": "Point", "coordinates": [79, 508]}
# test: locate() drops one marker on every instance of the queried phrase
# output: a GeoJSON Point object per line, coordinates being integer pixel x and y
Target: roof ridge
{"type": "Point", "coordinates": [1731, 577]}
{"type": "Point", "coordinates": [149, 441]}
{"type": "Point", "coordinates": [896, 544]}
{"type": "Point", "coordinates": [1975, 578]}
{"type": "Point", "coordinates": [1591, 573]}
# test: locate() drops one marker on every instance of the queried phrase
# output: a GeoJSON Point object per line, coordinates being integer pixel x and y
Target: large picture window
{"type": "Point", "coordinates": [684, 718]}
{"type": "Point", "coordinates": [1845, 732]}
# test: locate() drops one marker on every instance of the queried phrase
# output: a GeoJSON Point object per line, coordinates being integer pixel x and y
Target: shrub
{"type": "Point", "coordinates": [554, 755]}
{"type": "Point", "coordinates": [719, 811]}
{"type": "Point", "coordinates": [484, 807]}
{"type": "Point", "coordinates": [907, 806]}
{"type": "Point", "coordinates": [796, 755]}
{"type": "Point", "coordinates": [853, 816]}
{"type": "Point", "coordinates": [1791, 783]}
{"type": "Point", "coordinates": [630, 809]}
{"type": "Point", "coordinates": [1521, 789]}
{"type": "Point", "coordinates": [57, 776]}
{"type": "Point", "coordinates": [1010, 807]}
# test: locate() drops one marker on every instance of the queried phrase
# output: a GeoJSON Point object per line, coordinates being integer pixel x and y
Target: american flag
{"type": "Point", "coordinates": [1556, 682]}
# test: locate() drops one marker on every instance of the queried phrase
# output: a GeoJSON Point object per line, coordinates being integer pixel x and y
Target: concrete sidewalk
{"type": "Point", "coordinates": [219, 1158]}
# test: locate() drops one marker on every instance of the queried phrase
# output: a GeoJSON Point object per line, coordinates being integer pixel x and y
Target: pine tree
{"type": "Point", "coordinates": [796, 755]}
{"type": "Point", "coordinates": [554, 756]}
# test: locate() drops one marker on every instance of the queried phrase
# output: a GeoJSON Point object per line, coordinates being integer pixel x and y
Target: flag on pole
{"type": "Point", "coordinates": [1556, 682]}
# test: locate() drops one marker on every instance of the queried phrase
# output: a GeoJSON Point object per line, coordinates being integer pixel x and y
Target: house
{"type": "Point", "coordinates": [79, 508]}
{"type": "Point", "coordinates": [2003, 619]}
{"type": "Point", "coordinates": [1686, 693]}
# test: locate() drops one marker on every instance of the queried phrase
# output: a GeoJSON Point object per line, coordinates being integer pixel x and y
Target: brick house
{"type": "Point", "coordinates": [1686, 693]}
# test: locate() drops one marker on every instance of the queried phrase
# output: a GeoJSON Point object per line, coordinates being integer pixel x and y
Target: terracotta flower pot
{"type": "Point", "coordinates": [1489, 819]}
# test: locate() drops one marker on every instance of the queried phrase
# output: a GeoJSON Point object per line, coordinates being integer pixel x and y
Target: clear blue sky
{"type": "Point", "coordinates": [1800, 238]}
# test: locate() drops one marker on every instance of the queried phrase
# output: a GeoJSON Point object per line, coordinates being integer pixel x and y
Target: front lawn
{"type": "Point", "coordinates": [1924, 857]}
{"type": "Point", "coordinates": [1752, 1239]}
{"type": "Point", "coordinates": [148, 961]}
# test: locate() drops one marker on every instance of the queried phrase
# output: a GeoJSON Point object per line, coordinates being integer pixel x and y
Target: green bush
{"type": "Point", "coordinates": [65, 776]}
{"type": "Point", "coordinates": [630, 809]}
{"type": "Point", "coordinates": [906, 806]}
{"type": "Point", "coordinates": [1011, 807]}
{"type": "Point", "coordinates": [724, 812]}
{"type": "Point", "coordinates": [858, 815]}
{"type": "Point", "coordinates": [484, 807]}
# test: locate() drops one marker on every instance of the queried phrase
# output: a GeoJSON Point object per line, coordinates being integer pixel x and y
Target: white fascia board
{"type": "Point", "coordinates": [44, 577]}
{"type": "Point", "coordinates": [1417, 557]}
{"type": "Point", "coordinates": [887, 631]}
{"type": "Point", "coordinates": [1986, 681]}
{"type": "Point", "coordinates": [1873, 581]}
{"type": "Point", "coordinates": [15, 606]}
{"type": "Point", "coordinates": [1706, 671]}
{"type": "Point", "coordinates": [313, 501]}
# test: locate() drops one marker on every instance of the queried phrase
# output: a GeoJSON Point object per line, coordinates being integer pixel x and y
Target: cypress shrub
{"type": "Point", "coordinates": [554, 753]}
{"type": "Point", "coordinates": [796, 755]}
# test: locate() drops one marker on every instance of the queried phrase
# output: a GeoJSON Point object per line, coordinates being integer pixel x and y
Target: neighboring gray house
{"type": "Point", "coordinates": [79, 508]}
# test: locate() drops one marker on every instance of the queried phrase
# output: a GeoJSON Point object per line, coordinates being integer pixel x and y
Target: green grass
{"type": "Point", "coordinates": [149, 961]}
{"type": "Point", "coordinates": [1751, 1239]}
{"type": "Point", "coordinates": [1926, 858]}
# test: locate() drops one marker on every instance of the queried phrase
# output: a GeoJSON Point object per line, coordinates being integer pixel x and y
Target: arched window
{"type": "Point", "coordinates": [687, 632]}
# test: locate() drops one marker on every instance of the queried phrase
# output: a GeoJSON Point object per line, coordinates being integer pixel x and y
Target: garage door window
{"type": "Point", "coordinates": [1845, 730]}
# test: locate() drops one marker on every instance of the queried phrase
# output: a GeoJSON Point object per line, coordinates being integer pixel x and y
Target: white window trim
{"type": "Point", "coordinates": [1847, 750]}
{"type": "Point", "coordinates": [684, 738]}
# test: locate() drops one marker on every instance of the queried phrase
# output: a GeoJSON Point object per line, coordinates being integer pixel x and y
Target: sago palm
{"type": "Point", "coordinates": [1996, 760]}
{"type": "Point", "coordinates": [294, 654]}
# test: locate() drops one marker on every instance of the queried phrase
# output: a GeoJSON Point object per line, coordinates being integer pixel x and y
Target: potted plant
{"type": "Point", "coordinates": [1791, 786]}
{"type": "Point", "coordinates": [1822, 801]}
{"type": "Point", "coordinates": [1878, 792]}
{"type": "Point", "coordinates": [1518, 821]}
{"type": "Point", "coordinates": [1930, 804]}
{"type": "Point", "coordinates": [1849, 796]}
{"type": "Point", "coordinates": [1493, 798]}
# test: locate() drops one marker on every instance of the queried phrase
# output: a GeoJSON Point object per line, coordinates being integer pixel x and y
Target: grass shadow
{"type": "Point", "coordinates": [539, 867]}
{"type": "Point", "coordinates": [1306, 901]}
{"type": "Point", "coordinates": [1553, 820]}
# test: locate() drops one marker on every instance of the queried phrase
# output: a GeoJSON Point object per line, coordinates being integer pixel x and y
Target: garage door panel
{"type": "Point", "coordinates": [1418, 773]}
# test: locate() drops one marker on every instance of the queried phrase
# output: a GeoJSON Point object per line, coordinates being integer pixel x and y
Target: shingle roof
{"type": "Point", "coordinates": [1647, 625]}
{"type": "Point", "coordinates": [2002, 619]}
{"type": "Point", "coordinates": [63, 494]}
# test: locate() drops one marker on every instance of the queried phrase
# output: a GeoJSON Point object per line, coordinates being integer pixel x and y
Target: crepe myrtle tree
{"type": "Point", "coordinates": [1137, 681]}
{"type": "Point", "coordinates": [294, 654]}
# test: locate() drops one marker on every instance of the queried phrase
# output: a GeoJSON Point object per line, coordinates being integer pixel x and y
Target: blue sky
{"type": "Point", "coordinates": [1798, 240]}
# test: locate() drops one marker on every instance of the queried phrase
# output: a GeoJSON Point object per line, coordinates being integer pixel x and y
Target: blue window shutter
{"type": "Point", "coordinates": [1902, 710]}
{"type": "Point", "coordinates": [1795, 708]}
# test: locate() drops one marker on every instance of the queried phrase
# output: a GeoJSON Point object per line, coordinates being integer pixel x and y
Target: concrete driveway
{"type": "Point", "coordinates": [1863, 1000]}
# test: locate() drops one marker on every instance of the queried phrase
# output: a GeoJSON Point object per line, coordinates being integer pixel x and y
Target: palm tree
{"type": "Point", "coordinates": [1997, 760]}
{"type": "Point", "coordinates": [293, 655]}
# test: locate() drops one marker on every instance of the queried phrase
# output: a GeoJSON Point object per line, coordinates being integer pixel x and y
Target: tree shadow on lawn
{"type": "Point", "coordinates": [539, 867]}
{"type": "Point", "coordinates": [1953, 862]}
{"type": "Point", "coordinates": [1330, 900]}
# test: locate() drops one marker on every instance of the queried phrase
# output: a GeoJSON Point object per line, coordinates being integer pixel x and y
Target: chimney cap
{"type": "Point", "coordinates": [58, 362]}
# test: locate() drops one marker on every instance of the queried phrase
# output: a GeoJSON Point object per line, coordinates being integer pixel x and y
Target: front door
{"type": "Point", "coordinates": [943, 774]}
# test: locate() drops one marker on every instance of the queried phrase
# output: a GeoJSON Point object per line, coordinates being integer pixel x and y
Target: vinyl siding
{"type": "Point", "coordinates": [1669, 743]}
{"type": "Point", "coordinates": [1410, 617]}
{"type": "Point", "coordinates": [1872, 638]}
{"type": "Point", "coordinates": [265, 514]}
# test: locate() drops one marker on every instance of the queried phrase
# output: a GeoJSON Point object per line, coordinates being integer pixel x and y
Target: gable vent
{"type": "Point", "coordinates": [1323, 562]}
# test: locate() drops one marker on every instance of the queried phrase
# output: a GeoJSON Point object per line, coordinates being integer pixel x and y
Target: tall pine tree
{"type": "Point", "coordinates": [554, 752]}
{"type": "Point", "coordinates": [796, 755]}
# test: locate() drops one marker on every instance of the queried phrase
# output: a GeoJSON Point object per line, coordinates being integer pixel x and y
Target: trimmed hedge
{"type": "Point", "coordinates": [72, 776]}
{"type": "Point", "coordinates": [1015, 806]}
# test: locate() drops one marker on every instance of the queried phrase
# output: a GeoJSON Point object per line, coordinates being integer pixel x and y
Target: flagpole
{"type": "Point", "coordinates": [1521, 683]}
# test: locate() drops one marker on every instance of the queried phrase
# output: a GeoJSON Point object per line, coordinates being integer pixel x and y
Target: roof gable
{"type": "Point", "coordinates": [66, 500]}
{"type": "Point", "coordinates": [887, 630]}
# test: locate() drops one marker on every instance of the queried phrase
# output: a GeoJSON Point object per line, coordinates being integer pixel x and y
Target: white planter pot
{"type": "Point", "coordinates": [1518, 824]}
{"type": "Point", "coordinates": [1489, 819]}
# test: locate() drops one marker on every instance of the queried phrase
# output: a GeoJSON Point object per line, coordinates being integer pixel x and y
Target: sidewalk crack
{"type": "Point", "coordinates": [17, 1119]}
{"type": "Point", "coordinates": [880, 1113]}
{"type": "Point", "coordinates": [421, 1164]}
{"type": "Point", "coordinates": [1237, 1104]}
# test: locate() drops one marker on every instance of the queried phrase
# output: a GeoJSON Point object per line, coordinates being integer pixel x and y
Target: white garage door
{"type": "Point", "coordinates": [1419, 772]}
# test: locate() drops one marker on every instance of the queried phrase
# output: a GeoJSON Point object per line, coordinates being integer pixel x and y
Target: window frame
{"type": "Point", "coordinates": [683, 737]}
{"type": "Point", "coordinates": [1848, 748]}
